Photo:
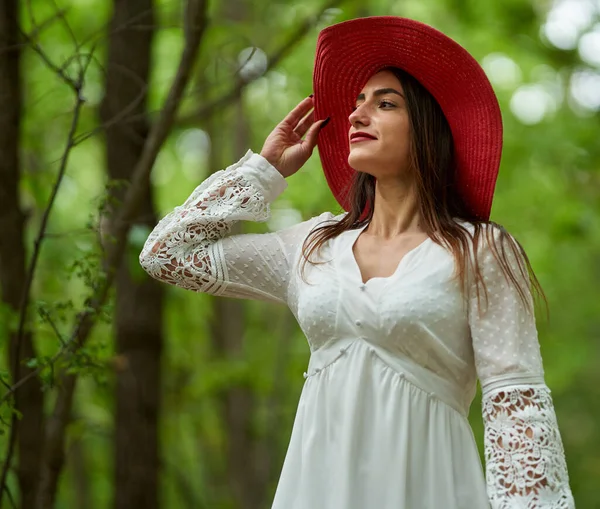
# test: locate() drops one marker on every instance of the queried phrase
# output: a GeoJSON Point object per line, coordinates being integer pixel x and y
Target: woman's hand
{"type": "Point", "coordinates": [284, 148]}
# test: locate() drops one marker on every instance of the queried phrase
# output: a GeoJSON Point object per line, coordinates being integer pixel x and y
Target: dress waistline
{"type": "Point", "coordinates": [422, 378]}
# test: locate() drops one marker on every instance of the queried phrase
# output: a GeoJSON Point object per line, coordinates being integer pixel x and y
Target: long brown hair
{"type": "Point", "coordinates": [431, 161]}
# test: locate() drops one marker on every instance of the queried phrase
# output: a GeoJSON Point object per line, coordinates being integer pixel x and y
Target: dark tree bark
{"type": "Point", "coordinates": [139, 299]}
{"type": "Point", "coordinates": [29, 400]}
{"type": "Point", "coordinates": [54, 451]}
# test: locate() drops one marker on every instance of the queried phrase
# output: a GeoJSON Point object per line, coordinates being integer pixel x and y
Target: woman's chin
{"type": "Point", "coordinates": [360, 162]}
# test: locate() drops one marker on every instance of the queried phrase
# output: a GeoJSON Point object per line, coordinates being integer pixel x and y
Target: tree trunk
{"type": "Point", "coordinates": [29, 399]}
{"type": "Point", "coordinates": [139, 299]}
{"type": "Point", "coordinates": [54, 447]}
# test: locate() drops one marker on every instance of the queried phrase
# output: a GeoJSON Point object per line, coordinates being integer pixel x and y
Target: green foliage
{"type": "Point", "coordinates": [547, 195]}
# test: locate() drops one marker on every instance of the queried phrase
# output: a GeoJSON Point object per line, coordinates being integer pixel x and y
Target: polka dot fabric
{"type": "Point", "coordinates": [382, 418]}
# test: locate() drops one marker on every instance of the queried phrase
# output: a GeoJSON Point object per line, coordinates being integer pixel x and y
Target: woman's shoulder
{"type": "Point", "coordinates": [491, 228]}
{"type": "Point", "coordinates": [322, 219]}
{"type": "Point", "coordinates": [330, 217]}
{"type": "Point", "coordinates": [492, 236]}
{"type": "Point", "coordinates": [295, 231]}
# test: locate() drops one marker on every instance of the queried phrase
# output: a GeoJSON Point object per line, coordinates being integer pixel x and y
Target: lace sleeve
{"type": "Point", "coordinates": [190, 247]}
{"type": "Point", "coordinates": [525, 460]}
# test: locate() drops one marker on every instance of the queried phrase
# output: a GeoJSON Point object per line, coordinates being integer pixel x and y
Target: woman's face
{"type": "Point", "coordinates": [380, 112]}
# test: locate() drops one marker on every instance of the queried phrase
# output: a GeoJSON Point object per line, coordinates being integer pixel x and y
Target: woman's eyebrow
{"type": "Point", "coordinates": [381, 91]}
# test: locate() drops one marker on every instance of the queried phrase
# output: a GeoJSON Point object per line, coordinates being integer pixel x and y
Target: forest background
{"type": "Point", "coordinates": [122, 392]}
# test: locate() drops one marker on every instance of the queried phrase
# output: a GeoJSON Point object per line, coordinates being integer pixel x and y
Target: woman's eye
{"type": "Point", "coordinates": [382, 103]}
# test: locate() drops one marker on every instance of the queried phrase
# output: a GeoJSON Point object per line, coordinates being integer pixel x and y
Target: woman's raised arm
{"type": "Point", "coordinates": [190, 247]}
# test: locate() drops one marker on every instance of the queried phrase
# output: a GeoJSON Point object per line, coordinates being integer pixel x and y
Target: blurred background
{"type": "Point", "coordinates": [133, 394]}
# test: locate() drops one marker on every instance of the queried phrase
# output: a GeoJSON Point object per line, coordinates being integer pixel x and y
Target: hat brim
{"type": "Point", "coordinates": [349, 53]}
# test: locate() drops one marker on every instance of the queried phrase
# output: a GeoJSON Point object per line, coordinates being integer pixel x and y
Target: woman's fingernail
{"type": "Point", "coordinates": [326, 122]}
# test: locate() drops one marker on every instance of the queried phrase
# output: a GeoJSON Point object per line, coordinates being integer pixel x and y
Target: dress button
{"type": "Point", "coordinates": [358, 323]}
{"type": "Point", "coordinates": [317, 370]}
{"type": "Point", "coordinates": [342, 350]}
{"type": "Point", "coordinates": [363, 287]}
{"type": "Point", "coordinates": [305, 375]}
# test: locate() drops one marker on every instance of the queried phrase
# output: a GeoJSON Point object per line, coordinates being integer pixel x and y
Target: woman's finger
{"type": "Point", "coordinates": [313, 133]}
{"type": "Point", "coordinates": [294, 116]}
{"type": "Point", "coordinates": [305, 124]}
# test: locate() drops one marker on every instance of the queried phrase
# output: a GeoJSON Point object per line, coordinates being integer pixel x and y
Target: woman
{"type": "Point", "coordinates": [406, 299]}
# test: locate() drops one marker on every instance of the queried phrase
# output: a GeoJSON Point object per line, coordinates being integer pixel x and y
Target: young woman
{"type": "Point", "coordinates": [406, 298]}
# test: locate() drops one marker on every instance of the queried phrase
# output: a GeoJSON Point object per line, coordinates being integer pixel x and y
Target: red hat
{"type": "Point", "coordinates": [349, 53]}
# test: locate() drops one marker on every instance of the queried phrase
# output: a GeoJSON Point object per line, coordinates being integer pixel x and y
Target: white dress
{"type": "Point", "coordinates": [382, 418]}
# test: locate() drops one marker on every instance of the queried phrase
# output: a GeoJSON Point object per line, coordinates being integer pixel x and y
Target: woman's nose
{"type": "Point", "coordinates": [359, 116]}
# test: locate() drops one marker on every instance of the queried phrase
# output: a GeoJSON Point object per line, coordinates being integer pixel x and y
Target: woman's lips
{"type": "Point", "coordinates": [358, 139]}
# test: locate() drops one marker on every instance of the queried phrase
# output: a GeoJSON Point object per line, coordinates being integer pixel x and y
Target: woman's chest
{"type": "Point", "coordinates": [380, 259]}
{"type": "Point", "coordinates": [420, 297]}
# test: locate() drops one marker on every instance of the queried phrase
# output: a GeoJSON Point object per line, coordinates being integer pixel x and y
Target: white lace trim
{"type": "Point", "coordinates": [178, 251]}
{"type": "Point", "coordinates": [525, 460]}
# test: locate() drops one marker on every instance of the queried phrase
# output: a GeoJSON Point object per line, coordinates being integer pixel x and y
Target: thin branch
{"type": "Point", "coordinates": [80, 100]}
{"type": "Point", "coordinates": [104, 29]}
{"type": "Point", "coordinates": [10, 497]}
{"type": "Point", "coordinates": [28, 284]}
{"type": "Point", "coordinates": [208, 109]}
{"type": "Point", "coordinates": [72, 35]}
{"type": "Point", "coordinates": [57, 70]}
{"type": "Point", "coordinates": [119, 116]}
{"type": "Point", "coordinates": [46, 316]}
{"type": "Point", "coordinates": [274, 60]}
{"type": "Point", "coordinates": [12, 440]}
{"type": "Point", "coordinates": [99, 34]}
{"type": "Point", "coordinates": [43, 225]}
{"type": "Point", "coordinates": [60, 13]}
{"type": "Point", "coordinates": [157, 136]}
{"type": "Point", "coordinates": [25, 296]}
{"type": "Point", "coordinates": [30, 12]}
{"type": "Point", "coordinates": [32, 374]}
{"type": "Point", "coordinates": [78, 231]}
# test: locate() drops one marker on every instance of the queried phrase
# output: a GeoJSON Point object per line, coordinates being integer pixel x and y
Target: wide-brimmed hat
{"type": "Point", "coordinates": [349, 53]}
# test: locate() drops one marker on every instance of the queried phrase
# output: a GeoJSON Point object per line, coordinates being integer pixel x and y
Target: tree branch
{"type": "Point", "coordinates": [44, 223]}
{"type": "Point", "coordinates": [209, 108]}
{"type": "Point", "coordinates": [288, 45]}
{"type": "Point", "coordinates": [28, 282]}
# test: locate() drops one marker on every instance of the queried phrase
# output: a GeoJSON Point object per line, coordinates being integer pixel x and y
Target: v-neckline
{"type": "Point", "coordinates": [385, 279]}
